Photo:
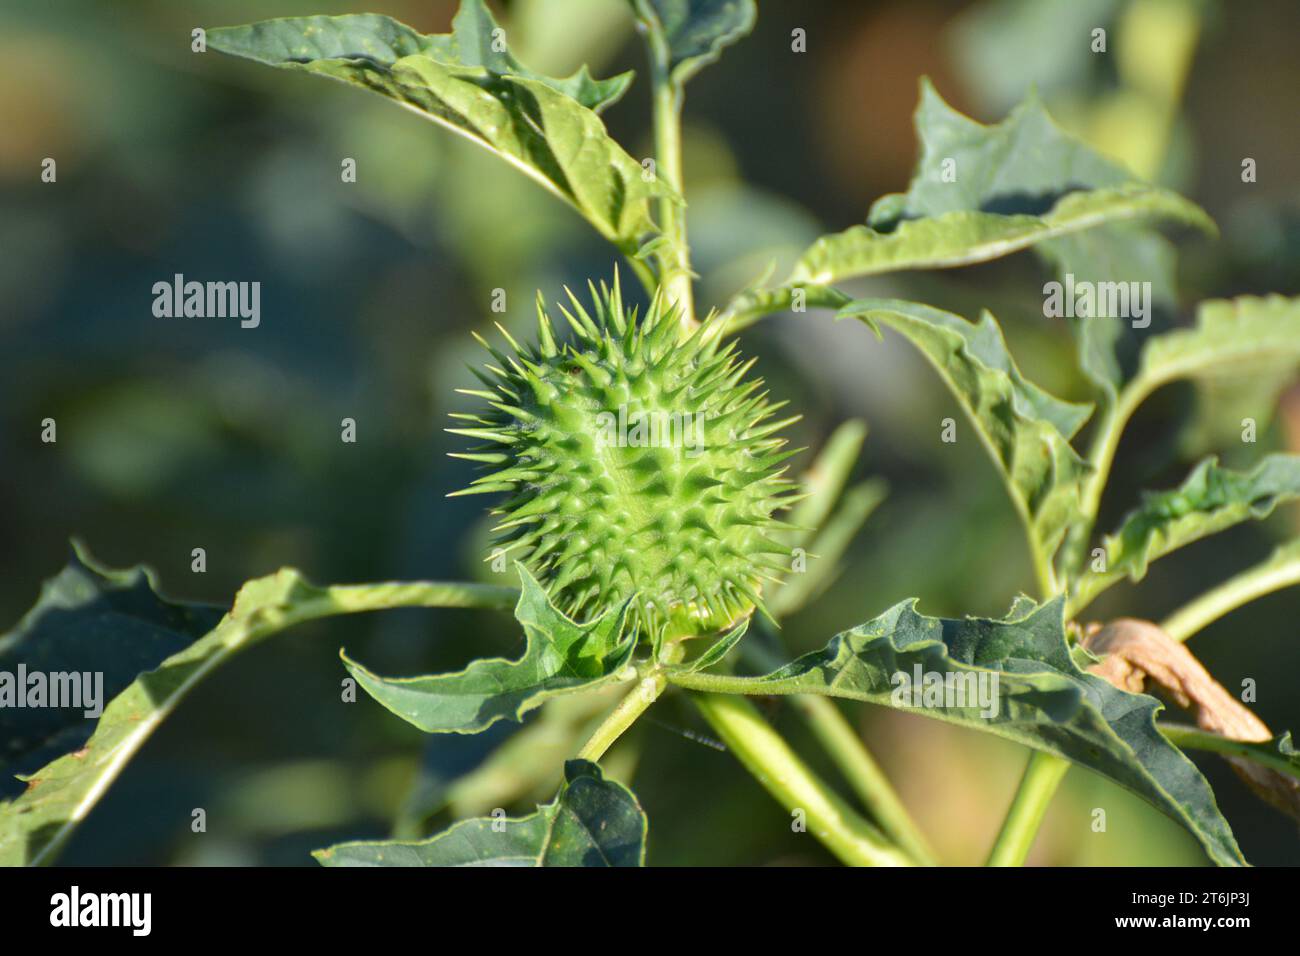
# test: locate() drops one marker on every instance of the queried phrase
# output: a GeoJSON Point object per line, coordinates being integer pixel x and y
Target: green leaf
{"type": "Point", "coordinates": [1210, 499]}
{"type": "Point", "coordinates": [1040, 699]}
{"type": "Point", "coordinates": [544, 126]}
{"type": "Point", "coordinates": [716, 651]}
{"type": "Point", "coordinates": [1026, 430]}
{"type": "Point", "coordinates": [981, 192]}
{"type": "Point", "coordinates": [59, 795]}
{"type": "Point", "coordinates": [696, 31]}
{"type": "Point", "coordinates": [1278, 754]}
{"type": "Point", "coordinates": [963, 237]}
{"type": "Point", "coordinates": [1233, 337]}
{"type": "Point", "coordinates": [87, 620]}
{"type": "Point", "coordinates": [560, 657]}
{"type": "Point", "coordinates": [592, 822]}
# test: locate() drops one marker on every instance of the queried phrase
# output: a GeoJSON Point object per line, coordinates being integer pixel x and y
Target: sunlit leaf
{"type": "Point", "coordinates": [1210, 499]}
{"type": "Point", "coordinates": [1026, 430]}
{"type": "Point", "coordinates": [546, 127]}
{"type": "Point", "coordinates": [560, 657]}
{"type": "Point", "coordinates": [1033, 693]}
{"type": "Point", "coordinates": [592, 822]}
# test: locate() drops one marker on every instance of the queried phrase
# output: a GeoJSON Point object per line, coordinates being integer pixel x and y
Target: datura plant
{"type": "Point", "coordinates": [638, 479]}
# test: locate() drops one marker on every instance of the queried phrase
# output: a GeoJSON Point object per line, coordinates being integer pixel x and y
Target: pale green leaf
{"type": "Point", "coordinates": [541, 125]}
{"type": "Point", "coordinates": [1026, 430]}
{"type": "Point", "coordinates": [963, 237]}
{"type": "Point", "coordinates": [561, 656]}
{"type": "Point", "coordinates": [592, 822]}
{"type": "Point", "coordinates": [1033, 693]}
{"type": "Point", "coordinates": [1210, 499]}
{"type": "Point", "coordinates": [696, 31]}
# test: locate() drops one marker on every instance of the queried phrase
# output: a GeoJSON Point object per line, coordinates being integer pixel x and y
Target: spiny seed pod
{"type": "Point", "coordinates": [639, 466]}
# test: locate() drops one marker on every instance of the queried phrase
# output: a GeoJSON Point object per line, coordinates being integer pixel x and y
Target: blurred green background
{"type": "Point", "coordinates": [176, 434]}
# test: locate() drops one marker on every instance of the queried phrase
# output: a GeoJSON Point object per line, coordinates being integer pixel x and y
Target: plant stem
{"type": "Point", "coordinates": [1042, 775]}
{"type": "Point", "coordinates": [623, 716]}
{"type": "Point", "coordinates": [1277, 572]}
{"type": "Point", "coordinates": [674, 255]}
{"type": "Point", "coordinates": [844, 746]}
{"type": "Point", "coordinates": [1193, 738]}
{"type": "Point", "coordinates": [768, 757]}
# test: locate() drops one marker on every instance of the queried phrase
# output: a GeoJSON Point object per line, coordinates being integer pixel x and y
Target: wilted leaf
{"type": "Point", "coordinates": [1210, 499]}
{"type": "Point", "coordinates": [592, 822]}
{"type": "Point", "coordinates": [560, 657]}
{"type": "Point", "coordinates": [1026, 430]}
{"type": "Point", "coordinates": [545, 126]}
{"type": "Point", "coordinates": [1033, 693]}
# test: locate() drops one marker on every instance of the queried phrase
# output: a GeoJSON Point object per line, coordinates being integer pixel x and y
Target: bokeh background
{"type": "Point", "coordinates": [176, 434]}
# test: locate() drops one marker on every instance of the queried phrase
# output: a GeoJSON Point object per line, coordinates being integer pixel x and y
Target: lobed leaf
{"type": "Point", "coordinates": [1245, 336]}
{"type": "Point", "coordinates": [592, 822]}
{"type": "Point", "coordinates": [1210, 499]}
{"type": "Point", "coordinates": [1026, 430]}
{"type": "Point", "coordinates": [963, 236]}
{"type": "Point", "coordinates": [981, 192]}
{"type": "Point", "coordinates": [545, 126]}
{"type": "Point", "coordinates": [1041, 699]}
{"type": "Point", "coordinates": [696, 31]}
{"type": "Point", "coordinates": [560, 657]}
{"type": "Point", "coordinates": [122, 611]}
{"type": "Point", "coordinates": [94, 621]}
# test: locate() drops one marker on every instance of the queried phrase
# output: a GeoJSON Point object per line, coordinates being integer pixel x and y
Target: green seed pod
{"type": "Point", "coordinates": [638, 466]}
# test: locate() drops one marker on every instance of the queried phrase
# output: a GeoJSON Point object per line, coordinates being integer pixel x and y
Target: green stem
{"type": "Point", "coordinates": [1042, 776]}
{"type": "Point", "coordinates": [674, 255]}
{"type": "Point", "coordinates": [768, 757]}
{"type": "Point", "coordinates": [632, 706]}
{"type": "Point", "coordinates": [1193, 738]}
{"type": "Point", "coordinates": [844, 746]}
{"type": "Point", "coordinates": [1277, 572]}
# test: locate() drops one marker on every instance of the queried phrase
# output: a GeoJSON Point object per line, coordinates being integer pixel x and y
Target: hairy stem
{"type": "Point", "coordinates": [1042, 776]}
{"type": "Point", "coordinates": [674, 254]}
{"type": "Point", "coordinates": [767, 756]}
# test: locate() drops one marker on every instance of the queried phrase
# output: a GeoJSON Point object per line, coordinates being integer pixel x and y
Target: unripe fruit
{"type": "Point", "coordinates": [638, 466]}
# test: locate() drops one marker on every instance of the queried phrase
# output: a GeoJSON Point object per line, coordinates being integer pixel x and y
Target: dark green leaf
{"type": "Point", "coordinates": [59, 795]}
{"type": "Point", "coordinates": [560, 657]}
{"type": "Point", "coordinates": [110, 625]}
{"type": "Point", "coordinates": [592, 822]}
{"type": "Point", "coordinates": [1040, 699]}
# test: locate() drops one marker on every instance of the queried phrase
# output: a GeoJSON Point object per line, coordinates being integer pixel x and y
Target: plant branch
{"type": "Point", "coordinates": [1280, 570]}
{"type": "Point", "coordinates": [843, 744]}
{"type": "Point", "coordinates": [1043, 774]}
{"type": "Point", "coordinates": [768, 757]}
{"type": "Point", "coordinates": [674, 255]}
{"type": "Point", "coordinates": [1193, 738]}
{"type": "Point", "coordinates": [633, 705]}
